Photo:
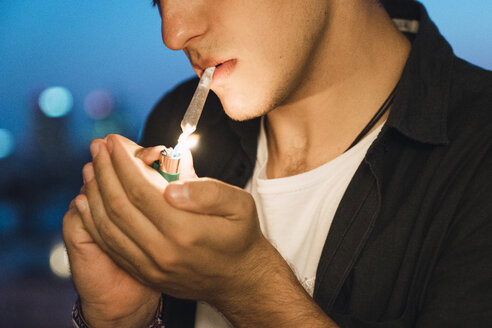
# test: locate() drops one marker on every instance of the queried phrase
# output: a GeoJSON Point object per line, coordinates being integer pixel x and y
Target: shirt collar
{"type": "Point", "coordinates": [421, 103]}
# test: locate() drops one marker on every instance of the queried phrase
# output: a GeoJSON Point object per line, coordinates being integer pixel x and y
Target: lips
{"type": "Point", "coordinates": [203, 64]}
{"type": "Point", "coordinates": [223, 71]}
{"type": "Point", "coordinates": [224, 68]}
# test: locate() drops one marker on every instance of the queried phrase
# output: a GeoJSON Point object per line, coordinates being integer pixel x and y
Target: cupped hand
{"type": "Point", "coordinates": [196, 238]}
{"type": "Point", "coordinates": [108, 293]}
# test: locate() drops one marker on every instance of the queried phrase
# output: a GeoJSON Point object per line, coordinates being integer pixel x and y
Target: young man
{"type": "Point", "coordinates": [354, 161]}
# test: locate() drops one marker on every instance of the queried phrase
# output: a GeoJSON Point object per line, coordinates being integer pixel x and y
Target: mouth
{"type": "Point", "coordinates": [224, 69]}
{"type": "Point", "coordinates": [200, 66]}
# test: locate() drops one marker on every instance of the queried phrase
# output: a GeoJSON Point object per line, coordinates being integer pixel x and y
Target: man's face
{"type": "Point", "coordinates": [266, 47]}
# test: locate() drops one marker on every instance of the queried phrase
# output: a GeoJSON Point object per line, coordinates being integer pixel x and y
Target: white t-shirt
{"type": "Point", "coordinates": [296, 212]}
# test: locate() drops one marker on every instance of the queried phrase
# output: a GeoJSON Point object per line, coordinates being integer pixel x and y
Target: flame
{"type": "Point", "coordinates": [192, 141]}
{"type": "Point", "coordinates": [186, 141]}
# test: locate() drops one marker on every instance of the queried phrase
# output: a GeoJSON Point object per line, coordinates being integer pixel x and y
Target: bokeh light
{"type": "Point", "coordinates": [56, 101]}
{"type": "Point", "coordinates": [6, 143]}
{"type": "Point", "coordinates": [98, 104]}
{"type": "Point", "coordinates": [59, 261]}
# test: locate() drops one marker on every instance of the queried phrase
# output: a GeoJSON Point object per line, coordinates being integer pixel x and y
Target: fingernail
{"type": "Point", "coordinates": [109, 143]}
{"type": "Point", "coordinates": [94, 149]}
{"type": "Point", "coordinates": [88, 173]}
{"type": "Point", "coordinates": [178, 191]}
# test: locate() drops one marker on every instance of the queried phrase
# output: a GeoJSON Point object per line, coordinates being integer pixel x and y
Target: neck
{"type": "Point", "coordinates": [354, 70]}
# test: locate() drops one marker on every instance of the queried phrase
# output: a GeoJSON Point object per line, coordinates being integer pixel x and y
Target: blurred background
{"type": "Point", "coordinates": [71, 71]}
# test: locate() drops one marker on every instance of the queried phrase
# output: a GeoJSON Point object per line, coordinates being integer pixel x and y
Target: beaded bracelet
{"type": "Point", "coordinates": [79, 321]}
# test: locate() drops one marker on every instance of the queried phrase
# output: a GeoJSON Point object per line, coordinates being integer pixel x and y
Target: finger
{"type": "Point", "coordinates": [210, 196]}
{"type": "Point", "coordinates": [133, 168]}
{"type": "Point", "coordinates": [132, 146]}
{"type": "Point", "coordinates": [186, 169]}
{"type": "Point", "coordinates": [71, 206]}
{"type": "Point", "coordinates": [112, 241]}
{"type": "Point", "coordinates": [143, 186]}
{"type": "Point", "coordinates": [147, 155]}
{"type": "Point", "coordinates": [87, 219]}
{"type": "Point", "coordinates": [143, 195]}
{"type": "Point", "coordinates": [75, 237]}
{"type": "Point", "coordinates": [109, 202]}
{"type": "Point", "coordinates": [74, 231]}
{"type": "Point", "coordinates": [85, 214]}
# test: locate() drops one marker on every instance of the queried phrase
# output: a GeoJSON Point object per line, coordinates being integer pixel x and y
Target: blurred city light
{"type": "Point", "coordinates": [59, 261]}
{"type": "Point", "coordinates": [56, 101]}
{"type": "Point", "coordinates": [98, 104]}
{"type": "Point", "coordinates": [6, 143]}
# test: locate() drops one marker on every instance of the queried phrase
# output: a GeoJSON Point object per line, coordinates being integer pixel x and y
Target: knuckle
{"type": "Point", "coordinates": [116, 205]}
{"type": "Point", "coordinates": [209, 191]}
{"type": "Point", "coordinates": [136, 195]}
{"type": "Point", "coordinates": [160, 256]}
{"type": "Point", "coordinates": [165, 261]}
{"type": "Point", "coordinates": [95, 141]}
{"type": "Point", "coordinates": [153, 275]}
{"type": "Point", "coordinates": [105, 230]}
{"type": "Point", "coordinates": [87, 165]}
{"type": "Point", "coordinates": [249, 204]}
{"type": "Point", "coordinates": [186, 241]}
{"type": "Point", "coordinates": [71, 214]}
{"type": "Point", "coordinates": [111, 136]}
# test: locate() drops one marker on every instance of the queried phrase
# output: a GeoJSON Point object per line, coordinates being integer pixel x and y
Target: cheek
{"type": "Point", "coordinates": [273, 46]}
{"type": "Point", "coordinates": [257, 85]}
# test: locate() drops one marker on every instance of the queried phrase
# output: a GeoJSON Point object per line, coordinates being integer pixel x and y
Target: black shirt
{"type": "Point", "coordinates": [411, 241]}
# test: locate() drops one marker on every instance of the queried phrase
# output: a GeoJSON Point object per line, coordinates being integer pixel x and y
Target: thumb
{"type": "Point", "coordinates": [210, 196]}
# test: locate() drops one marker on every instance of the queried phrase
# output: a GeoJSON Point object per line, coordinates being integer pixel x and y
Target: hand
{"type": "Point", "coordinates": [109, 295]}
{"type": "Point", "coordinates": [198, 239]}
{"type": "Point", "coordinates": [190, 239]}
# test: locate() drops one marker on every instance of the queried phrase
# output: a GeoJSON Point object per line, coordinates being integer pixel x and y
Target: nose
{"type": "Point", "coordinates": [181, 22]}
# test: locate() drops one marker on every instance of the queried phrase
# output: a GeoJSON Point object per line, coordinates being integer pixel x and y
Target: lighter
{"type": "Point", "coordinates": [168, 165]}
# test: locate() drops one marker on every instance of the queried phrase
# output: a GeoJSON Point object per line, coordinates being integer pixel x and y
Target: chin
{"type": "Point", "coordinates": [242, 110]}
{"type": "Point", "coordinates": [238, 114]}
{"type": "Point", "coordinates": [240, 106]}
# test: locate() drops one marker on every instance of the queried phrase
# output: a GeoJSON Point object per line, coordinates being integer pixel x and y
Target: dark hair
{"type": "Point", "coordinates": [155, 3]}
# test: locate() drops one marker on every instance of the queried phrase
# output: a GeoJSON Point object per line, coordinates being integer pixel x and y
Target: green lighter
{"type": "Point", "coordinates": [168, 164]}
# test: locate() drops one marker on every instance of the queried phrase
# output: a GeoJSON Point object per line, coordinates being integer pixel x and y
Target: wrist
{"type": "Point", "coordinates": [146, 315]}
{"type": "Point", "coordinates": [255, 284]}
